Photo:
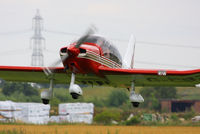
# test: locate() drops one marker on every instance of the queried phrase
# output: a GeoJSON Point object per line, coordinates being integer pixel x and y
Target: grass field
{"type": "Point", "coordinates": [190, 93]}
{"type": "Point", "coordinates": [85, 129]}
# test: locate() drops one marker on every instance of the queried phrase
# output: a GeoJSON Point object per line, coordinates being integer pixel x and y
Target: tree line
{"type": "Point", "coordinates": [26, 92]}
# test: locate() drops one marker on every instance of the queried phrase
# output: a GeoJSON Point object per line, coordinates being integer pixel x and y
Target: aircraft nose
{"type": "Point", "coordinates": [73, 51]}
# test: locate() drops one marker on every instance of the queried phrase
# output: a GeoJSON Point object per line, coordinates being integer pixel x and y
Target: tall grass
{"type": "Point", "coordinates": [13, 131]}
{"type": "Point", "coordinates": [75, 129]}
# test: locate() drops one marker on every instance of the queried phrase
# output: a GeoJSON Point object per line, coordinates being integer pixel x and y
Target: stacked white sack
{"type": "Point", "coordinates": [36, 113]}
{"type": "Point", "coordinates": [79, 108]}
{"type": "Point", "coordinates": [80, 118]}
{"type": "Point", "coordinates": [76, 112]}
{"type": "Point", "coordinates": [54, 119]}
{"type": "Point", "coordinates": [7, 109]}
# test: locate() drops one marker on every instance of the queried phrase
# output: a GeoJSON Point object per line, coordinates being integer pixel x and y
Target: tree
{"type": "Point", "coordinates": [117, 98]}
{"type": "Point", "coordinates": [165, 92]}
{"type": "Point", "coordinates": [9, 88]}
{"type": "Point", "coordinates": [152, 95]}
{"type": "Point", "coordinates": [25, 88]}
{"type": "Point", "coordinates": [28, 90]}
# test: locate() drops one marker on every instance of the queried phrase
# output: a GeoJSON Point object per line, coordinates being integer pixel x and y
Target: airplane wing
{"type": "Point", "coordinates": [31, 74]}
{"type": "Point", "coordinates": [36, 74]}
{"type": "Point", "coordinates": [141, 77]}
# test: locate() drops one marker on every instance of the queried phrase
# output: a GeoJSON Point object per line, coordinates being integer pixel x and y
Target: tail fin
{"type": "Point", "coordinates": [128, 59]}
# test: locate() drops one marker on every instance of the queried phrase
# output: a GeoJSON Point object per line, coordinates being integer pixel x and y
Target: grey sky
{"type": "Point", "coordinates": [166, 21]}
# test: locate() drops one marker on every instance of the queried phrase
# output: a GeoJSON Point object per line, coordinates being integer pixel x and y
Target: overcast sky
{"type": "Point", "coordinates": [174, 22]}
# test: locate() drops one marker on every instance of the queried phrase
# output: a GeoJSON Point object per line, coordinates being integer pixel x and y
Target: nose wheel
{"type": "Point", "coordinates": [74, 89]}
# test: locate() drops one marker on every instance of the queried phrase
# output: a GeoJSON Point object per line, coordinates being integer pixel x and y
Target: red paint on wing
{"type": "Point", "coordinates": [115, 71]}
{"type": "Point", "coordinates": [29, 69]}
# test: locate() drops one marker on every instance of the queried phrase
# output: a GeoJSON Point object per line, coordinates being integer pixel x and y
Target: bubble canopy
{"type": "Point", "coordinates": [109, 50]}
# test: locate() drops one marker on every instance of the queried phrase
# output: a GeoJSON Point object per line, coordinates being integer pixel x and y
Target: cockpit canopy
{"type": "Point", "coordinates": [109, 51]}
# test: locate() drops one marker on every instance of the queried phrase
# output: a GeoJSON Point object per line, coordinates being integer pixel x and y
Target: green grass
{"type": "Point", "coordinates": [13, 131]}
{"type": "Point", "coordinates": [188, 93]}
{"type": "Point", "coordinates": [96, 91]}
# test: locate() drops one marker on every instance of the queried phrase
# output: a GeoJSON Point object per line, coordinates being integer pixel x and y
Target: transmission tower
{"type": "Point", "coordinates": [37, 41]}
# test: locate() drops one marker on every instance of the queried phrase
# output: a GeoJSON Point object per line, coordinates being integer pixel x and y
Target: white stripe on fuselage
{"type": "Point", "coordinates": [100, 59]}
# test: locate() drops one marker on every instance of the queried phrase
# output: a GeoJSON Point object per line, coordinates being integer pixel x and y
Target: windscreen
{"type": "Point", "coordinates": [109, 51]}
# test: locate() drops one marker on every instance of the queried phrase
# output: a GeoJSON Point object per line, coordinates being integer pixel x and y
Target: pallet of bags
{"type": "Point", "coordinates": [7, 110]}
{"type": "Point", "coordinates": [80, 118]}
{"type": "Point", "coordinates": [76, 112]}
{"type": "Point", "coordinates": [35, 113]}
{"type": "Point", "coordinates": [83, 108]}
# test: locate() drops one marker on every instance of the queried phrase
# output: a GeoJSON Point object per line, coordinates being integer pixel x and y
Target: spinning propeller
{"type": "Point", "coordinates": [49, 71]}
{"type": "Point", "coordinates": [74, 89]}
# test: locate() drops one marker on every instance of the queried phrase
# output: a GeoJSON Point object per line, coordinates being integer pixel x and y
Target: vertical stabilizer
{"type": "Point", "coordinates": [128, 59]}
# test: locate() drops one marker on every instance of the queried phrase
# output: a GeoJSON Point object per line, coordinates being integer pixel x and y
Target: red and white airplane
{"type": "Point", "coordinates": [94, 60]}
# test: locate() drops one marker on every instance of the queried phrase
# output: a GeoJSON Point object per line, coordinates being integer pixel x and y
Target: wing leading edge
{"type": "Point", "coordinates": [141, 77]}
{"type": "Point", "coordinates": [31, 74]}
{"type": "Point", "coordinates": [36, 74]}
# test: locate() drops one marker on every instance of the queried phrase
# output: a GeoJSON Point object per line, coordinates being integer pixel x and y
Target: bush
{"type": "Point", "coordinates": [133, 121]}
{"type": "Point", "coordinates": [106, 117]}
{"type": "Point", "coordinates": [10, 87]}
{"type": "Point", "coordinates": [188, 115]}
{"type": "Point", "coordinates": [98, 102]}
{"type": "Point", "coordinates": [117, 98]}
{"type": "Point", "coordinates": [174, 117]}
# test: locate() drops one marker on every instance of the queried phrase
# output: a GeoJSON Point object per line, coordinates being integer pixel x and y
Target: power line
{"type": "Point", "coordinates": [16, 32]}
{"type": "Point", "coordinates": [114, 39]}
{"type": "Point", "coordinates": [167, 45]}
{"type": "Point", "coordinates": [14, 52]}
{"type": "Point", "coordinates": [122, 40]}
{"type": "Point", "coordinates": [163, 64]}
{"type": "Point", "coordinates": [61, 32]}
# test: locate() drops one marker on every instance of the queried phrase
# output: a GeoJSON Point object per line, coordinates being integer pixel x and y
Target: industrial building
{"type": "Point", "coordinates": [180, 105]}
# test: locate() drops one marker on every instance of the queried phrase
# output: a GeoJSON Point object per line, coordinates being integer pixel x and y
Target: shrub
{"type": "Point", "coordinates": [106, 117]}
{"type": "Point", "coordinates": [174, 117]}
{"type": "Point", "coordinates": [117, 98]}
{"type": "Point", "coordinates": [133, 121]}
{"type": "Point", "coordinates": [188, 115]}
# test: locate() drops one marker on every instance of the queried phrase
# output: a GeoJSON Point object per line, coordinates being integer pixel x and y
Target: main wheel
{"type": "Point", "coordinates": [135, 104]}
{"type": "Point", "coordinates": [45, 101]}
{"type": "Point", "coordinates": [75, 95]}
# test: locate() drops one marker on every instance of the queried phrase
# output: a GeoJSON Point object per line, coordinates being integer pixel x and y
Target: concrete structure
{"type": "Point", "coordinates": [180, 105]}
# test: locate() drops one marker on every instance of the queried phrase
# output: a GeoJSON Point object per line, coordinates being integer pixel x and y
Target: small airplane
{"type": "Point", "coordinates": [94, 60]}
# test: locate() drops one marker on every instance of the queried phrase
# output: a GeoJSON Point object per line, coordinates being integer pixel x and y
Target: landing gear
{"type": "Point", "coordinates": [46, 95]}
{"type": "Point", "coordinates": [74, 89]}
{"type": "Point", "coordinates": [45, 101]}
{"type": "Point", "coordinates": [135, 104]}
{"type": "Point", "coordinates": [135, 99]}
{"type": "Point", "coordinates": [75, 95]}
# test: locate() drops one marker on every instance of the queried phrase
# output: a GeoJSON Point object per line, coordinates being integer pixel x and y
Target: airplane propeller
{"type": "Point", "coordinates": [74, 89]}
{"type": "Point", "coordinates": [90, 31]}
{"type": "Point", "coordinates": [49, 70]}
